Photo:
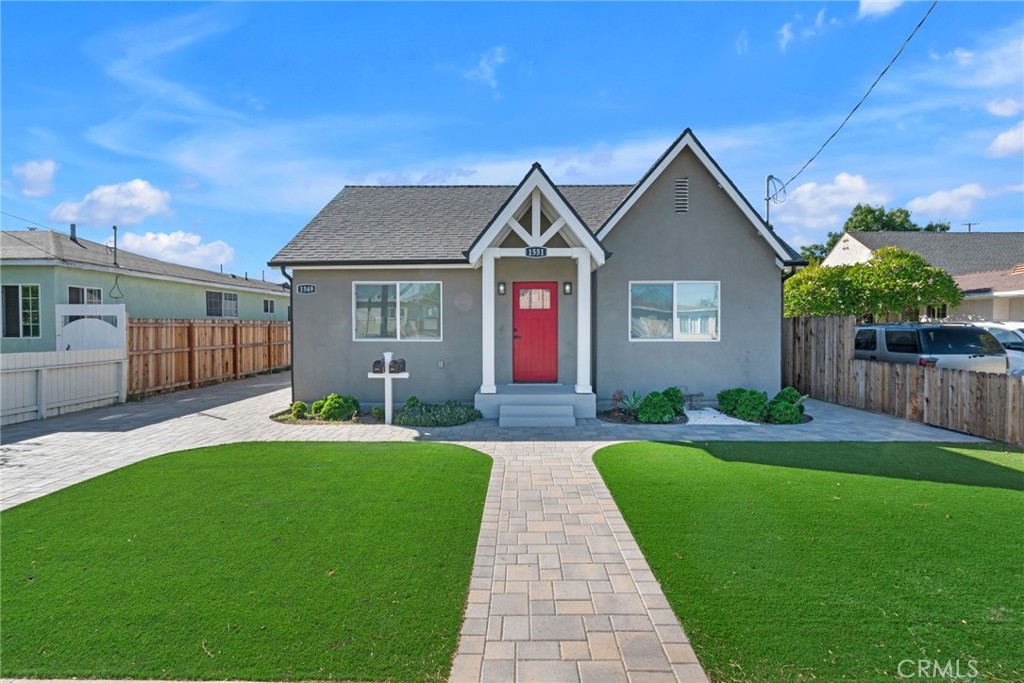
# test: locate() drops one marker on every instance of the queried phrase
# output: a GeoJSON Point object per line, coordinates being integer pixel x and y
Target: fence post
{"type": "Point", "coordinates": [270, 345]}
{"type": "Point", "coordinates": [236, 351]}
{"type": "Point", "coordinates": [193, 356]}
{"type": "Point", "coordinates": [41, 392]}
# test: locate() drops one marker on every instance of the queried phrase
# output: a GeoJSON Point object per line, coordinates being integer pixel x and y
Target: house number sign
{"type": "Point", "coordinates": [536, 252]}
{"type": "Point", "coordinates": [305, 289]}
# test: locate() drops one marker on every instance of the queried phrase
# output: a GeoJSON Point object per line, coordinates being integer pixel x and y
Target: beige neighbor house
{"type": "Point", "coordinates": [541, 297]}
{"type": "Point", "coordinates": [988, 267]}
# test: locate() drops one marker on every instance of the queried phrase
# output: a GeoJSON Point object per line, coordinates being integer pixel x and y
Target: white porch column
{"type": "Point", "coordinates": [487, 385]}
{"type": "Point", "coordinates": [583, 385]}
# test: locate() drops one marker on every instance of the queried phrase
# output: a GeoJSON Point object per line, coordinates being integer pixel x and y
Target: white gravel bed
{"type": "Point", "coordinates": [710, 416]}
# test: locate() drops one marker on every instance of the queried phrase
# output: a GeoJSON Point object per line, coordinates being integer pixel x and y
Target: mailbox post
{"type": "Point", "coordinates": [388, 376]}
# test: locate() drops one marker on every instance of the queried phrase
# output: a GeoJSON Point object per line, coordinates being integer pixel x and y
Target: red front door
{"type": "Point", "coordinates": [535, 332]}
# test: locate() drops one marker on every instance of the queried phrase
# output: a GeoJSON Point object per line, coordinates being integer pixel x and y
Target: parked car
{"type": "Point", "coordinates": [1011, 336]}
{"type": "Point", "coordinates": [944, 345]}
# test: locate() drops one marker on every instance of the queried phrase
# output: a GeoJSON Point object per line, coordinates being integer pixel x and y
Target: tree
{"type": "Point", "coordinates": [867, 218]}
{"type": "Point", "coordinates": [894, 281]}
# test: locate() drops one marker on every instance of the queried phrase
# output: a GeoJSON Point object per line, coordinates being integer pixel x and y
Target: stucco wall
{"type": "Point", "coordinates": [713, 241]}
{"type": "Point", "coordinates": [847, 252]}
{"type": "Point", "coordinates": [326, 359]}
{"type": "Point", "coordinates": [44, 277]}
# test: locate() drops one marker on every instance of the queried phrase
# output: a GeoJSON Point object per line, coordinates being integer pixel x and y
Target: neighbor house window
{"type": "Point", "coordinates": [21, 310]}
{"type": "Point", "coordinates": [221, 305]}
{"type": "Point", "coordinates": [85, 295]}
{"type": "Point", "coordinates": [937, 311]}
{"type": "Point", "coordinates": [268, 305]}
{"type": "Point", "coordinates": [408, 311]}
{"type": "Point", "coordinates": [674, 311]}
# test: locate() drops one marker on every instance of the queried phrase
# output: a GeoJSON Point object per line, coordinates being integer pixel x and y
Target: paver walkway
{"type": "Point", "coordinates": [560, 590]}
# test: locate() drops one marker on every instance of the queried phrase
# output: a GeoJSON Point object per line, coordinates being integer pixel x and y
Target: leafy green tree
{"type": "Point", "coordinates": [867, 218]}
{"type": "Point", "coordinates": [893, 283]}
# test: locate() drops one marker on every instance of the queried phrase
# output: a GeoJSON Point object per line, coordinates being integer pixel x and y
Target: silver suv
{"type": "Point", "coordinates": [945, 345]}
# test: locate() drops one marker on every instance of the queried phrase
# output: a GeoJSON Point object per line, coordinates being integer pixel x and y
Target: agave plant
{"type": "Point", "coordinates": [631, 403]}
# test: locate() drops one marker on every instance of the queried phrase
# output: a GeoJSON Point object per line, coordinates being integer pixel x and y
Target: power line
{"type": "Point", "coordinates": [29, 221]}
{"type": "Point", "coordinates": [857, 106]}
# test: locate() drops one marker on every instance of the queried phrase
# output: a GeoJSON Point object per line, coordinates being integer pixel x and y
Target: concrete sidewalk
{"type": "Point", "coordinates": [560, 590]}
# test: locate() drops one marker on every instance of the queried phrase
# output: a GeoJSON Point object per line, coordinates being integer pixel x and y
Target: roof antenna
{"type": "Point", "coordinates": [969, 225]}
{"type": "Point", "coordinates": [115, 246]}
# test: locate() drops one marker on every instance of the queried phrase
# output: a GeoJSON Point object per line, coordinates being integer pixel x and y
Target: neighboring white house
{"type": "Point", "coordinates": [988, 267]}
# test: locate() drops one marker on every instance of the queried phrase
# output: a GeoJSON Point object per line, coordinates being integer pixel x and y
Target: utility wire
{"type": "Point", "coordinates": [11, 234]}
{"type": "Point", "coordinates": [857, 106]}
{"type": "Point", "coordinates": [30, 222]}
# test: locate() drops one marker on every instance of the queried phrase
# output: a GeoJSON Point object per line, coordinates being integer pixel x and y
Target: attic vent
{"type": "Point", "coordinates": [1018, 269]}
{"type": "Point", "coordinates": [682, 195]}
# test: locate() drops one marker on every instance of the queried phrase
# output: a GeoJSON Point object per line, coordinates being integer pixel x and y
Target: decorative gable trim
{"type": "Point", "coordinates": [535, 187]}
{"type": "Point", "coordinates": [688, 141]}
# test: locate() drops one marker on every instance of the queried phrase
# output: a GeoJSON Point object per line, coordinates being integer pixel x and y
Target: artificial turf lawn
{"type": "Point", "coordinates": [258, 561]}
{"type": "Point", "coordinates": [832, 561]}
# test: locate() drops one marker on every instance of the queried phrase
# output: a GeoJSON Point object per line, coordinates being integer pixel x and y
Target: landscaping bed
{"type": "Point", "coordinates": [837, 561]}
{"type": "Point", "coordinates": [259, 561]}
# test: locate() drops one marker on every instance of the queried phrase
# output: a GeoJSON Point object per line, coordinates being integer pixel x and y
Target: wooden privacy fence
{"type": "Point", "coordinates": [818, 360]}
{"type": "Point", "coordinates": [167, 354]}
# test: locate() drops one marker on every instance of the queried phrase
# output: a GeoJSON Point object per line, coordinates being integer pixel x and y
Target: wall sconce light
{"type": "Point", "coordinates": [501, 289]}
{"type": "Point", "coordinates": [567, 288]}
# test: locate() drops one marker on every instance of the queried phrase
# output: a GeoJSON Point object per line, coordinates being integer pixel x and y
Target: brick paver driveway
{"type": "Point", "coordinates": [560, 590]}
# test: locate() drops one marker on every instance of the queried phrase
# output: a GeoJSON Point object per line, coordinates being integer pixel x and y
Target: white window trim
{"type": "Point", "coordinates": [398, 310]}
{"type": "Point", "coordinates": [221, 316]}
{"type": "Point", "coordinates": [85, 293]}
{"type": "Point", "coordinates": [272, 307]}
{"type": "Point", "coordinates": [672, 283]}
{"type": "Point", "coordinates": [39, 297]}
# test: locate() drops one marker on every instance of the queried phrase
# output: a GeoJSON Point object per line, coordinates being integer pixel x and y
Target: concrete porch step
{"type": "Point", "coordinates": [518, 415]}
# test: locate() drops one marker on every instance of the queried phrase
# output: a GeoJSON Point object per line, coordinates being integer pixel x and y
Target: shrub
{"type": "Point", "coordinates": [752, 406]}
{"type": "Point", "coordinates": [337, 407]}
{"type": "Point", "coordinates": [632, 403]}
{"type": "Point", "coordinates": [790, 395]}
{"type": "Point", "coordinates": [299, 410]}
{"type": "Point", "coordinates": [729, 398]}
{"type": "Point", "coordinates": [448, 414]}
{"type": "Point", "coordinates": [377, 412]}
{"type": "Point", "coordinates": [675, 399]}
{"type": "Point", "coordinates": [317, 406]}
{"type": "Point", "coordinates": [784, 413]}
{"type": "Point", "coordinates": [655, 409]}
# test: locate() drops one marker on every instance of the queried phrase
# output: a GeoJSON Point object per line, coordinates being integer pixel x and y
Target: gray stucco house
{"type": "Point", "coordinates": [540, 299]}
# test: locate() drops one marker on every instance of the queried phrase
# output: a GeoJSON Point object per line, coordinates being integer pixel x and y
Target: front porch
{"type": "Point", "coordinates": [538, 402]}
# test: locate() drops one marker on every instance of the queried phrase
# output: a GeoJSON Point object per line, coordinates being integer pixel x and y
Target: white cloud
{"type": "Point", "coordinates": [486, 69]}
{"type": "Point", "coordinates": [36, 177]}
{"type": "Point", "coordinates": [785, 35]}
{"type": "Point", "coordinates": [956, 203]}
{"type": "Point", "coordinates": [1009, 143]}
{"type": "Point", "coordinates": [743, 43]}
{"type": "Point", "coordinates": [121, 204]}
{"type": "Point", "coordinates": [877, 8]}
{"type": "Point", "coordinates": [813, 206]}
{"type": "Point", "coordinates": [182, 247]}
{"type": "Point", "coordinates": [1005, 107]}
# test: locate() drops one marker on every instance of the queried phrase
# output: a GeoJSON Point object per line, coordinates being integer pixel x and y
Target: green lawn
{"type": "Point", "coordinates": [832, 561]}
{"type": "Point", "coordinates": [259, 561]}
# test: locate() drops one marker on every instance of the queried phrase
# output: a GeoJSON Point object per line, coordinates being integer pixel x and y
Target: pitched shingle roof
{"type": "Point", "coordinates": [48, 245]}
{"type": "Point", "coordinates": [995, 281]}
{"type": "Point", "coordinates": [955, 252]}
{"type": "Point", "coordinates": [420, 223]}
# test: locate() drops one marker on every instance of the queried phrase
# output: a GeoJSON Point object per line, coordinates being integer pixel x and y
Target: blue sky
{"type": "Point", "coordinates": [211, 133]}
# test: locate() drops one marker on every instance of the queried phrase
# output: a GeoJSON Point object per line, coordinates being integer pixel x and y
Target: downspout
{"type": "Point", "coordinates": [291, 326]}
{"type": "Point", "coordinates": [786, 274]}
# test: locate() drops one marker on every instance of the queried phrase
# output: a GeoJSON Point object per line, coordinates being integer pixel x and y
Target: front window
{"type": "Point", "coordinates": [221, 305]}
{"type": "Point", "coordinates": [674, 311]}
{"type": "Point", "coordinates": [85, 295]}
{"type": "Point", "coordinates": [406, 311]}
{"type": "Point", "coordinates": [21, 310]}
{"type": "Point", "coordinates": [268, 305]}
